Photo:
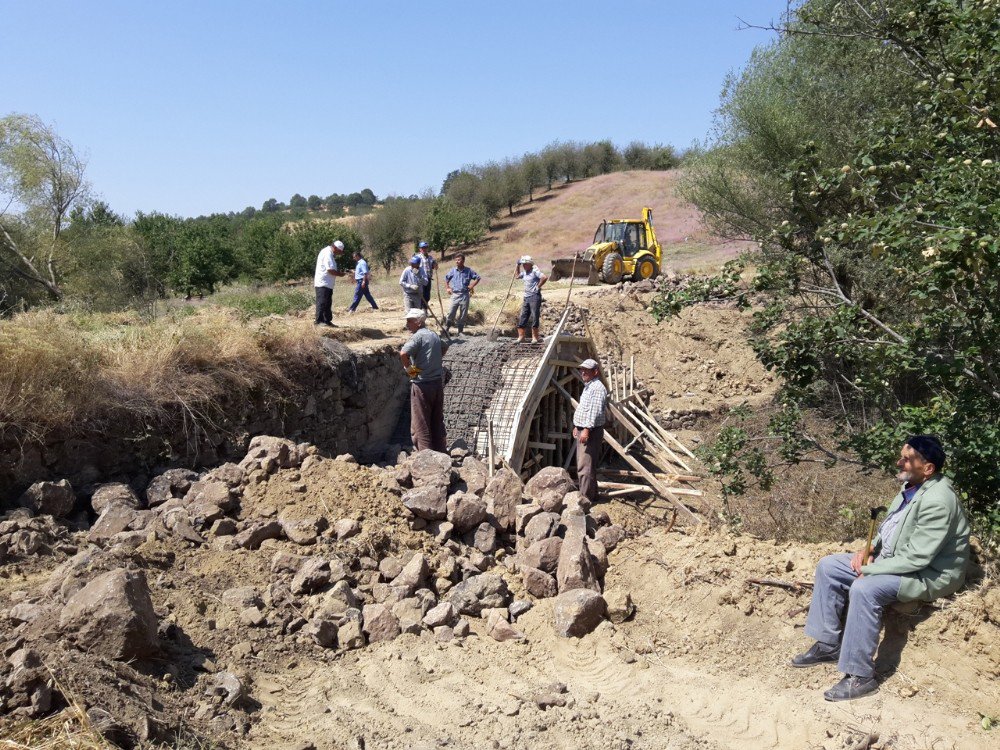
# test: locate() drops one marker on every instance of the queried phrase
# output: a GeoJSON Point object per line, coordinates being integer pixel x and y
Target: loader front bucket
{"type": "Point", "coordinates": [564, 268]}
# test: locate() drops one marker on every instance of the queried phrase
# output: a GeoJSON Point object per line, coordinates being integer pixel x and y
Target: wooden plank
{"type": "Point", "coordinates": [570, 339]}
{"type": "Point", "coordinates": [542, 446]}
{"type": "Point", "coordinates": [656, 439]}
{"type": "Point", "coordinates": [655, 483]}
{"type": "Point", "coordinates": [665, 476]}
{"type": "Point", "coordinates": [564, 363]}
{"type": "Point", "coordinates": [644, 410]}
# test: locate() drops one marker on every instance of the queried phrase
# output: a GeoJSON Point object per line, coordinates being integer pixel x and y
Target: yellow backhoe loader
{"type": "Point", "coordinates": [622, 249]}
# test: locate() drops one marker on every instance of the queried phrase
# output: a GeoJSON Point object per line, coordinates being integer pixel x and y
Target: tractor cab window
{"type": "Point", "coordinates": [633, 238]}
{"type": "Point", "coordinates": [600, 233]}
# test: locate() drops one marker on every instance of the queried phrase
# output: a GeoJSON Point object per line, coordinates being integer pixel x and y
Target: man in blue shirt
{"type": "Point", "coordinates": [412, 281]}
{"type": "Point", "coordinates": [421, 357]}
{"type": "Point", "coordinates": [461, 283]}
{"type": "Point", "coordinates": [361, 287]}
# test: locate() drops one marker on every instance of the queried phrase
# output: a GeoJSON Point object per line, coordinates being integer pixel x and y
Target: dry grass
{"type": "Point", "coordinates": [57, 370]}
{"type": "Point", "coordinates": [68, 729]}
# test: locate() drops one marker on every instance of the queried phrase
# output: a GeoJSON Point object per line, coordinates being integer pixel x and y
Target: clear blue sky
{"type": "Point", "coordinates": [196, 107]}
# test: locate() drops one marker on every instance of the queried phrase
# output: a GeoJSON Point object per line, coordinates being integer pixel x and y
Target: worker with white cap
{"type": "Point", "coordinates": [413, 281]}
{"type": "Point", "coordinates": [531, 308]}
{"type": "Point", "coordinates": [325, 277]}
{"type": "Point", "coordinates": [422, 357]}
{"type": "Point", "coordinates": [588, 427]}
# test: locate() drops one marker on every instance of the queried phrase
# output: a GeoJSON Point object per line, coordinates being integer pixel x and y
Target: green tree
{"type": "Point", "coordinates": [448, 225]}
{"type": "Point", "coordinates": [533, 173]}
{"type": "Point", "coordinates": [42, 179]}
{"type": "Point", "coordinates": [297, 201]}
{"type": "Point", "coordinates": [314, 202]}
{"type": "Point", "coordinates": [385, 233]}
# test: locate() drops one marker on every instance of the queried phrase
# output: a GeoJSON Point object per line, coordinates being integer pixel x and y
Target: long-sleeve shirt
{"type": "Point", "coordinates": [427, 266]}
{"type": "Point", "coordinates": [412, 280]}
{"type": "Point", "coordinates": [593, 402]}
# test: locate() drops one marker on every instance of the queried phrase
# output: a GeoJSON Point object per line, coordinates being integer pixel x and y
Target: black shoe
{"type": "Point", "coordinates": [851, 687]}
{"type": "Point", "coordinates": [818, 653]}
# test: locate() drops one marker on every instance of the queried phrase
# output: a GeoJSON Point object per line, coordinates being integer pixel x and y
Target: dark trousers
{"type": "Point", "coordinates": [361, 290]}
{"type": "Point", "coordinates": [427, 294]}
{"type": "Point", "coordinates": [587, 457]}
{"type": "Point", "coordinates": [531, 311]}
{"type": "Point", "coordinates": [324, 305]}
{"type": "Point", "coordinates": [427, 416]}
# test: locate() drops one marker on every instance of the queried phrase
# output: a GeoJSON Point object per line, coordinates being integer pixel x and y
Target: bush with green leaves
{"type": "Point", "coordinates": [879, 268]}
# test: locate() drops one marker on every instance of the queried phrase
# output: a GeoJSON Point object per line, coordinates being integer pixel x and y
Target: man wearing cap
{"type": "Point", "coordinates": [427, 266]}
{"type": "Point", "coordinates": [531, 308]}
{"type": "Point", "coordinates": [422, 357]}
{"type": "Point", "coordinates": [362, 276]}
{"type": "Point", "coordinates": [324, 279]}
{"type": "Point", "coordinates": [588, 427]}
{"type": "Point", "coordinates": [461, 283]}
{"type": "Point", "coordinates": [920, 554]}
{"type": "Point", "coordinates": [412, 280]}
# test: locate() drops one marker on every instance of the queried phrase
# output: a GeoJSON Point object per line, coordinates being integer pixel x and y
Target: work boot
{"type": "Point", "coordinates": [851, 687]}
{"type": "Point", "coordinates": [520, 335]}
{"type": "Point", "coordinates": [535, 337]}
{"type": "Point", "coordinates": [818, 653]}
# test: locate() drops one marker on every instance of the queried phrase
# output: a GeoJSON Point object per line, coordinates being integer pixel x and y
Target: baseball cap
{"type": "Point", "coordinates": [339, 245]}
{"type": "Point", "coordinates": [588, 364]}
{"type": "Point", "coordinates": [415, 313]}
{"type": "Point", "coordinates": [422, 245]}
{"type": "Point", "coordinates": [526, 259]}
{"type": "Point", "coordinates": [415, 260]}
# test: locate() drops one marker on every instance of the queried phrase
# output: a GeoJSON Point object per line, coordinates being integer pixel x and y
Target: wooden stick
{"type": "Point", "coordinates": [655, 483]}
{"type": "Point", "coordinates": [668, 435]}
{"type": "Point", "coordinates": [489, 443]}
{"type": "Point", "coordinates": [656, 440]}
{"type": "Point", "coordinates": [790, 585]}
{"type": "Point", "coordinates": [491, 336]}
{"type": "Point", "coordinates": [632, 375]}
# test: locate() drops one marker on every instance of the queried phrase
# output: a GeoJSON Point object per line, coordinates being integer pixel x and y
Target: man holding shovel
{"type": "Point", "coordinates": [920, 554]}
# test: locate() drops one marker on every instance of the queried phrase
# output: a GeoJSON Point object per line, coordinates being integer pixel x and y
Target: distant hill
{"type": "Point", "coordinates": [562, 221]}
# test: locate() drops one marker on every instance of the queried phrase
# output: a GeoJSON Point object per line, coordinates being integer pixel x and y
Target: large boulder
{"type": "Point", "coordinates": [503, 496]}
{"type": "Point", "coordinates": [380, 624]}
{"type": "Point", "coordinates": [541, 526]}
{"type": "Point", "coordinates": [114, 493]}
{"type": "Point", "coordinates": [211, 492]}
{"type": "Point", "coordinates": [465, 511]}
{"type": "Point", "coordinates": [413, 575]}
{"type": "Point", "coordinates": [578, 612]}
{"type": "Point", "coordinates": [429, 502]}
{"type": "Point", "coordinates": [113, 520]}
{"type": "Point", "coordinates": [270, 453]}
{"type": "Point", "coordinates": [474, 594]}
{"type": "Point", "coordinates": [168, 485]}
{"type": "Point", "coordinates": [112, 616]}
{"type": "Point", "coordinates": [430, 467]}
{"type": "Point", "coordinates": [474, 474]}
{"type": "Point", "coordinates": [576, 569]}
{"type": "Point", "coordinates": [538, 583]}
{"type": "Point", "coordinates": [543, 554]}
{"type": "Point", "coordinates": [313, 575]}
{"type": "Point", "coordinates": [54, 499]}
{"type": "Point", "coordinates": [548, 488]}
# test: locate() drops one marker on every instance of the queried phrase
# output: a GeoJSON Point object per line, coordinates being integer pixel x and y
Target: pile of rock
{"type": "Point", "coordinates": [561, 548]}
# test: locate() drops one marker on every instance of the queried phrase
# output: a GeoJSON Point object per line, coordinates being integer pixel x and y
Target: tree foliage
{"type": "Point", "coordinates": [879, 268]}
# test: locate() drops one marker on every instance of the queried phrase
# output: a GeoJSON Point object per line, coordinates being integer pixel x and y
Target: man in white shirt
{"type": "Point", "coordinates": [362, 276]}
{"type": "Point", "coordinates": [326, 273]}
{"type": "Point", "coordinates": [588, 427]}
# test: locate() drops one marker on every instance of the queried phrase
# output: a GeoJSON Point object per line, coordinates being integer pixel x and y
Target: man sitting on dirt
{"type": "Point", "coordinates": [920, 554]}
{"type": "Point", "coordinates": [588, 427]}
{"type": "Point", "coordinates": [461, 283]}
{"type": "Point", "coordinates": [325, 277]}
{"type": "Point", "coordinates": [422, 357]}
{"type": "Point", "coordinates": [531, 308]}
{"type": "Point", "coordinates": [412, 281]}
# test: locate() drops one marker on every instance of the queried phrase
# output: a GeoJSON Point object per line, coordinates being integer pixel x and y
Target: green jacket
{"type": "Point", "coordinates": [931, 551]}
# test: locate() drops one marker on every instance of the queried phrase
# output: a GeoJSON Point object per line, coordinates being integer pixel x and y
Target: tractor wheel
{"type": "Point", "coordinates": [644, 269]}
{"type": "Point", "coordinates": [612, 269]}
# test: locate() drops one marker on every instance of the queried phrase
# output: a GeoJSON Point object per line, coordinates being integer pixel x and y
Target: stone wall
{"type": "Point", "coordinates": [349, 403]}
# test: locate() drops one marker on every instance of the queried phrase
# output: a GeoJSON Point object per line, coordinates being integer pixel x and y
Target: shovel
{"type": "Point", "coordinates": [493, 331]}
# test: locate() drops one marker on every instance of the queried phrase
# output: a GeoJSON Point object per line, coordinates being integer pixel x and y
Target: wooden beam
{"type": "Point", "coordinates": [655, 438]}
{"type": "Point", "coordinates": [542, 446]}
{"type": "Point", "coordinates": [569, 339]}
{"type": "Point", "coordinates": [564, 363]}
{"type": "Point", "coordinates": [655, 483]}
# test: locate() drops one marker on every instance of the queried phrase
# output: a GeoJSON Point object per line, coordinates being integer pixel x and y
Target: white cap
{"type": "Point", "coordinates": [588, 364]}
{"type": "Point", "coordinates": [339, 245]}
{"type": "Point", "coordinates": [415, 313]}
{"type": "Point", "coordinates": [526, 259]}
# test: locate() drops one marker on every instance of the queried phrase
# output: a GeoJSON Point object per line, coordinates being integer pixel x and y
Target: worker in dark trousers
{"type": "Point", "coordinates": [588, 427]}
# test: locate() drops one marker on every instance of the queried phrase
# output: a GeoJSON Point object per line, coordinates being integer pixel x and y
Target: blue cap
{"type": "Point", "coordinates": [415, 260]}
{"type": "Point", "coordinates": [422, 245]}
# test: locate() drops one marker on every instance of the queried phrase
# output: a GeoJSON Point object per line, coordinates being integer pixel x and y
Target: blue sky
{"type": "Point", "coordinates": [196, 107]}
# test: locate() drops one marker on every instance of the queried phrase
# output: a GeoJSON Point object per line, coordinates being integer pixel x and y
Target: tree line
{"type": "Point", "coordinates": [61, 245]}
{"type": "Point", "coordinates": [860, 151]}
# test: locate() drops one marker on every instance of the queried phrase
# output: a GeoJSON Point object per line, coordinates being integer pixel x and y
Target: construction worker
{"type": "Point", "coordinates": [427, 266]}
{"type": "Point", "coordinates": [325, 278]}
{"type": "Point", "coordinates": [461, 284]}
{"type": "Point", "coordinates": [412, 280]}
{"type": "Point", "coordinates": [362, 288]}
{"type": "Point", "coordinates": [422, 357]}
{"type": "Point", "coordinates": [531, 308]}
{"type": "Point", "coordinates": [588, 427]}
